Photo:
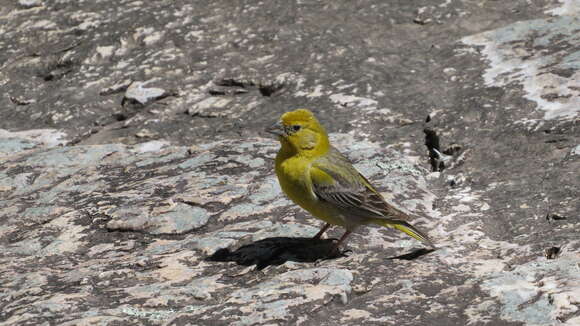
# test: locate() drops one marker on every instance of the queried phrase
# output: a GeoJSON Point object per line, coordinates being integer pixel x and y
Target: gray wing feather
{"type": "Point", "coordinates": [355, 195]}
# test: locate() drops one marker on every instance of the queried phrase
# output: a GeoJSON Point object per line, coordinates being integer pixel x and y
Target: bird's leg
{"type": "Point", "coordinates": [344, 236]}
{"type": "Point", "coordinates": [341, 240]}
{"type": "Point", "coordinates": [321, 232]}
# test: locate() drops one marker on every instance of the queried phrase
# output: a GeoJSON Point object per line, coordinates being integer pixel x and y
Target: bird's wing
{"type": "Point", "coordinates": [335, 180]}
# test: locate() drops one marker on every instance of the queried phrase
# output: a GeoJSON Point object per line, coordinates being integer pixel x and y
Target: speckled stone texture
{"type": "Point", "coordinates": [137, 186]}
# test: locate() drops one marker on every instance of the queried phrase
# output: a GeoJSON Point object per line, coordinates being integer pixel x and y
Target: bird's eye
{"type": "Point", "coordinates": [296, 128]}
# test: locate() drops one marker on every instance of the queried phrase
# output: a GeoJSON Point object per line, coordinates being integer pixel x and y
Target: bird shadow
{"type": "Point", "coordinates": [278, 250]}
{"type": "Point", "coordinates": [413, 254]}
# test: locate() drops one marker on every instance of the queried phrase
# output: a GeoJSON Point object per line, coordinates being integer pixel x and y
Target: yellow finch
{"type": "Point", "coordinates": [318, 178]}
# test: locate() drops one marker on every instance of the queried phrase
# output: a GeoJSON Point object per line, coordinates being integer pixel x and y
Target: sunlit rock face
{"type": "Point", "coordinates": [137, 186]}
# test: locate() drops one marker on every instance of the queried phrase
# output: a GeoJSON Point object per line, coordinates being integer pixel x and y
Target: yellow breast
{"type": "Point", "coordinates": [295, 180]}
{"type": "Point", "coordinates": [294, 177]}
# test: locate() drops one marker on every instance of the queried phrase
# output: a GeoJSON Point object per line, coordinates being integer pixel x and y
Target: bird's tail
{"type": "Point", "coordinates": [407, 228]}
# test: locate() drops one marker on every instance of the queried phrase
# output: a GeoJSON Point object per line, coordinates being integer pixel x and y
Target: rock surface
{"type": "Point", "coordinates": [136, 186]}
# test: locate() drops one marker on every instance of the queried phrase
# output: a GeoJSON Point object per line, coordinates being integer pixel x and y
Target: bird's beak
{"type": "Point", "coordinates": [277, 129]}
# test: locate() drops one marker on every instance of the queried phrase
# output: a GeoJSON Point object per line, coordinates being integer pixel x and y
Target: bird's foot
{"type": "Point", "coordinates": [336, 252]}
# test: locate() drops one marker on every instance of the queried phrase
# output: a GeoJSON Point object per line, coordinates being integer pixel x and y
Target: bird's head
{"type": "Point", "coordinates": [300, 130]}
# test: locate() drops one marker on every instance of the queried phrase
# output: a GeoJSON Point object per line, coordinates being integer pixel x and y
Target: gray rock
{"type": "Point", "coordinates": [546, 64]}
{"type": "Point", "coordinates": [154, 202]}
{"type": "Point", "coordinates": [175, 219]}
{"type": "Point", "coordinates": [143, 95]}
{"type": "Point", "coordinates": [30, 3]}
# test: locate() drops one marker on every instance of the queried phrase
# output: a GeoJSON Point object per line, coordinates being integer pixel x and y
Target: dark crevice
{"type": "Point", "coordinates": [120, 116]}
{"type": "Point", "coordinates": [555, 217]}
{"type": "Point", "coordinates": [237, 86]}
{"type": "Point", "coordinates": [433, 145]}
{"type": "Point", "coordinates": [269, 90]}
{"type": "Point", "coordinates": [552, 252]}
